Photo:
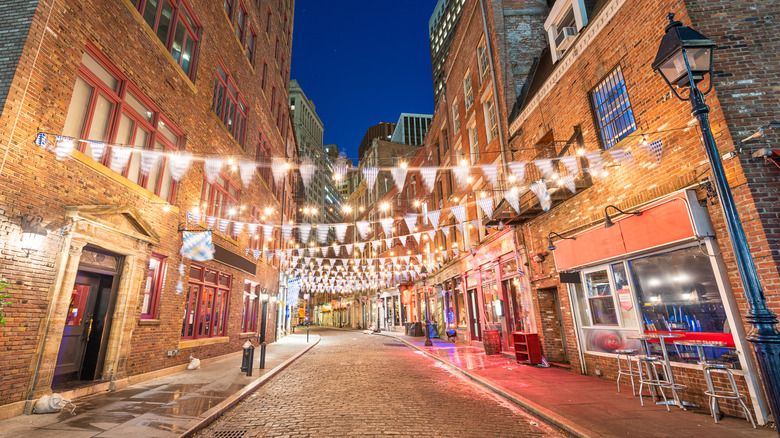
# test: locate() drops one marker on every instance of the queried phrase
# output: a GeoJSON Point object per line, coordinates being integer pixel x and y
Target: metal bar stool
{"type": "Point", "coordinates": [714, 395]}
{"type": "Point", "coordinates": [650, 364]}
{"type": "Point", "coordinates": [626, 355]}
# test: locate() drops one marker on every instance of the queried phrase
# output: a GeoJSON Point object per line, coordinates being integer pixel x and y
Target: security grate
{"type": "Point", "coordinates": [229, 433]}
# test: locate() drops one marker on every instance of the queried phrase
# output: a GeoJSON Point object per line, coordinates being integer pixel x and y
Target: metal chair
{"type": "Point", "coordinates": [626, 355]}
{"type": "Point", "coordinates": [650, 364]}
{"type": "Point", "coordinates": [732, 394]}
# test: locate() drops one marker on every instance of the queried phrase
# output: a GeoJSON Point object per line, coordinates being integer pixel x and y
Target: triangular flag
{"type": "Point", "coordinates": [370, 174]}
{"type": "Point", "coordinates": [403, 240]}
{"type": "Point", "coordinates": [340, 169]}
{"type": "Point", "coordinates": [460, 212]}
{"type": "Point", "coordinates": [417, 237]}
{"type": "Point", "coordinates": [461, 174]}
{"type": "Point", "coordinates": [518, 170]}
{"type": "Point", "coordinates": [251, 229]}
{"type": "Point", "coordinates": [223, 226]}
{"type": "Point", "coordinates": [178, 164]}
{"type": "Point", "coordinates": [622, 156]}
{"type": "Point", "coordinates": [268, 231]}
{"type": "Point", "coordinates": [278, 169]}
{"type": "Point", "coordinates": [411, 221]}
{"type": "Point", "coordinates": [654, 149]}
{"type": "Point", "coordinates": [572, 164]}
{"type": "Point", "coordinates": [387, 225]}
{"type": "Point", "coordinates": [286, 232]}
{"type": "Point", "coordinates": [428, 175]}
{"type": "Point", "coordinates": [545, 166]}
{"type": "Point", "coordinates": [491, 172]}
{"type": "Point", "coordinates": [350, 248]}
{"type": "Point", "coordinates": [97, 148]}
{"type": "Point", "coordinates": [148, 160]}
{"type": "Point", "coordinates": [432, 235]}
{"type": "Point", "coordinates": [211, 168]}
{"type": "Point", "coordinates": [247, 171]}
{"type": "Point", "coordinates": [487, 206]}
{"type": "Point", "coordinates": [303, 232]}
{"type": "Point", "coordinates": [322, 233]}
{"type": "Point", "coordinates": [540, 188]}
{"type": "Point", "coordinates": [362, 227]}
{"type": "Point", "coordinates": [512, 196]}
{"type": "Point", "coordinates": [307, 169]}
{"type": "Point", "coordinates": [595, 163]}
{"type": "Point", "coordinates": [434, 216]}
{"type": "Point", "coordinates": [65, 147]}
{"type": "Point", "coordinates": [119, 158]}
{"type": "Point", "coordinates": [375, 244]}
{"type": "Point", "coordinates": [568, 182]}
{"type": "Point", "coordinates": [399, 176]}
{"type": "Point", "coordinates": [237, 228]}
{"type": "Point", "coordinates": [341, 231]}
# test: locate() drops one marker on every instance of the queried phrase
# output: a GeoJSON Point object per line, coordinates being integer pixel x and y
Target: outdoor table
{"type": "Point", "coordinates": [670, 377]}
{"type": "Point", "coordinates": [700, 351]}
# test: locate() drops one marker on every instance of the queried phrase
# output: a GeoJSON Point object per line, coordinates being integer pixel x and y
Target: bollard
{"type": "Point", "coordinates": [262, 356]}
{"type": "Point", "coordinates": [248, 357]}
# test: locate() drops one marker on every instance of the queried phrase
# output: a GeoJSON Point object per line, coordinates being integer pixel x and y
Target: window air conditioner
{"type": "Point", "coordinates": [565, 38]}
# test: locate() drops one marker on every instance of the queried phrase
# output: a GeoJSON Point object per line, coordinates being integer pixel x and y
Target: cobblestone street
{"type": "Point", "coordinates": [353, 384]}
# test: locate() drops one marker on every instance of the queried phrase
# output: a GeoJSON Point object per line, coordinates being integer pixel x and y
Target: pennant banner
{"type": "Point", "coordinates": [341, 231]}
{"type": "Point", "coordinates": [303, 232]}
{"type": "Point", "coordinates": [411, 221]}
{"type": "Point", "coordinates": [307, 169]}
{"type": "Point", "coordinates": [178, 165]}
{"type": "Point", "coordinates": [370, 174]}
{"type": "Point", "coordinates": [540, 189]}
{"type": "Point", "coordinates": [487, 206]}
{"type": "Point", "coordinates": [459, 211]}
{"type": "Point", "coordinates": [491, 172]}
{"type": "Point", "coordinates": [65, 147]}
{"type": "Point", "coordinates": [148, 161]}
{"type": "Point", "coordinates": [197, 246]}
{"type": "Point", "coordinates": [120, 158]}
{"type": "Point", "coordinates": [399, 176]}
{"type": "Point", "coordinates": [278, 169]}
{"type": "Point", "coordinates": [362, 227]}
{"type": "Point", "coordinates": [513, 198]}
{"type": "Point", "coordinates": [428, 175]}
{"type": "Point", "coordinates": [461, 174]}
{"type": "Point", "coordinates": [434, 217]}
{"type": "Point", "coordinates": [247, 171]}
{"type": "Point", "coordinates": [387, 225]}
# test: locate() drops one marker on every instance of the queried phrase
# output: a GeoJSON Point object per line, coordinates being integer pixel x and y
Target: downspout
{"type": "Point", "coordinates": [495, 88]}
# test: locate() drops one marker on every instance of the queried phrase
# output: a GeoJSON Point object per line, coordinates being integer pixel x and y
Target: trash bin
{"type": "Point", "coordinates": [415, 329]}
{"type": "Point", "coordinates": [491, 339]}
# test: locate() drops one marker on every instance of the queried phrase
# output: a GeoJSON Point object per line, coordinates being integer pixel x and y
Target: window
{"type": "Point", "coordinates": [276, 51]}
{"type": "Point", "coordinates": [177, 27]}
{"type": "Point", "coordinates": [221, 198]}
{"type": "Point", "coordinates": [155, 278]}
{"type": "Point", "coordinates": [251, 45]}
{"type": "Point", "coordinates": [612, 109]}
{"type": "Point", "coordinates": [265, 75]}
{"type": "Point", "coordinates": [249, 306]}
{"type": "Point", "coordinates": [482, 60]}
{"type": "Point", "coordinates": [268, 23]}
{"type": "Point", "coordinates": [206, 311]}
{"type": "Point", "coordinates": [241, 23]}
{"type": "Point", "coordinates": [492, 121]}
{"type": "Point", "coordinates": [229, 6]}
{"type": "Point", "coordinates": [455, 117]}
{"type": "Point", "coordinates": [468, 93]}
{"type": "Point", "coordinates": [566, 19]}
{"type": "Point", "coordinates": [273, 98]}
{"type": "Point", "coordinates": [601, 303]}
{"type": "Point", "coordinates": [105, 107]}
{"type": "Point", "coordinates": [473, 144]}
{"type": "Point", "coordinates": [229, 105]}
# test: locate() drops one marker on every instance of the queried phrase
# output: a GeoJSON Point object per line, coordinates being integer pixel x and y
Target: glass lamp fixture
{"type": "Point", "coordinates": [33, 234]}
{"type": "Point", "coordinates": [683, 48]}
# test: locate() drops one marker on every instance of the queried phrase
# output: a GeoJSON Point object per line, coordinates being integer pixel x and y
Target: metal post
{"type": "Point", "coordinates": [378, 301]}
{"type": "Point", "coordinates": [308, 317]}
{"type": "Point", "coordinates": [263, 324]}
{"type": "Point", "coordinates": [763, 336]}
{"type": "Point", "coordinates": [428, 342]}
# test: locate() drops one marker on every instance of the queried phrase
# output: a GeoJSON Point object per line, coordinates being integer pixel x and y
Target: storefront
{"type": "Point", "coordinates": [660, 271]}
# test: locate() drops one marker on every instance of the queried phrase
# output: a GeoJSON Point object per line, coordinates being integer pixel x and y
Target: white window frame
{"type": "Point", "coordinates": [468, 92]}
{"type": "Point", "coordinates": [455, 117]}
{"type": "Point", "coordinates": [557, 13]}
{"type": "Point", "coordinates": [482, 60]}
{"type": "Point", "coordinates": [491, 125]}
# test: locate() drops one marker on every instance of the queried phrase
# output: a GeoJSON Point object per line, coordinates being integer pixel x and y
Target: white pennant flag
{"type": "Point", "coordinates": [65, 147]}
{"type": "Point", "coordinates": [278, 169]}
{"type": "Point", "coordinates": [387, 225]}
{"type": "Point", "coordinates": [286, 232]}
{"type": "Point", "coordinates": [459, 227]}
{"type": "Point", "coordinates": [178, 164]}
{"type": "Point", "coordinates": [370, 174]}
{"type": "Point", "coordinates": [428, 175]}
{"type": "Point", "coordinates": [148, 160]}
{"type": "Point", "coordinates": [97, 148]}
{"type": "Point", "coordinates": [361, 246]}
{"type": "Point", "coordinates": [211, 168]}
{"type": "Point", "coordinates": [251, 229]}
{"type": "Point", "coordinates": [210, 222]}
{"type": "Point", "coordinates": [350, 248]}
{"type": "Point", "coordinates": [572, 164]}
{"type": "Point", "coordinates": [487, 206]}
{"type": "Point", "coordinates": [403, 240]}
{"type": "Point", "coordinates": [491, 172]}
{"type": "Point", "coordinates": [622, 156]}
{"type": "Point", "coordinates": [540, 188]}
{"type": "Point", "coordinates": [432, 235]}
{"type": "Point", "coordinates": [267, 231]}
{"type": "Point", "coordinates": [247, 171]}
{"type": "Point", "coordinates": [513, 198]}
{"type": "Point", "coordinates": [568, 182]}
{"type": "Point", "coordinates": [341, 231]}
{"type": "Point", "coordinates": [389, 244]}
{"type": "Point", "coordinates": [303, 232]}
{"type": "Point", "coordinates": [411, 221]}
{"type": "Point", "coordinates": [307, 169]}
{"type": "Point", "coordinates": [595, 164]}
{"type": "Point", "coordinates": [419, 258]}
{"type": "Point", "coordinates": [460, 212]}
{"type": "Point", "coordinates": [417, 237]}
{"type": "Point", "coordinates": [237, 228]}
{"type": "Point", "coordinates": [461, 174]}
{"type": "Point", "coordinates": [375, 244]}
{"type": "Point", "coordinates": [362, 227]}
{"type": "Point", "coordinates": [322, 232]}
{"type": "Point", "coordinates": [223, 225]}
{"type": "Point", "coordinates": [518, 170]}
{"type": "Point", "coordinates": [119, 158]}
{"type": "Point", "coordinates": [434, 217]}
{"type": "Point", "coordinates": [545, 166]}
{"type": "Point", "coordinates": [340, 169]}
{"type": "Point", "coordinates": [399, 176]}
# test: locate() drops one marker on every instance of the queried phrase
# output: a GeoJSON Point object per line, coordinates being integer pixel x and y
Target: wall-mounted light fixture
{"type": "Point", "coordinates": [33, 233]}
{"type": "Point", "coordinates": [550, 245]}
{"type": "Point", "coordinates": [608, 222]}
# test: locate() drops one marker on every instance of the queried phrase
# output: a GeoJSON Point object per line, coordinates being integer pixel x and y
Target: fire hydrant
{"type": "Point", "coordinates": [248, 358]}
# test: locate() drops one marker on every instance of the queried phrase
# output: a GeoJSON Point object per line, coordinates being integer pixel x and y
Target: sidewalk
{"type": "Point", "coordinates": [579, 405]}
{"type": "Point", "coordinates": [171, 406]}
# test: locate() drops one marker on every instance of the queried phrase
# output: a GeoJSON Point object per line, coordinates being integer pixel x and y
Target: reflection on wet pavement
{"type": "Point", "coordinates": [470, 358]}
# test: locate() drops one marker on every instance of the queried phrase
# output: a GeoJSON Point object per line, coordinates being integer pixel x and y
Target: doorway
{"type": "Point", "coordinates": [87, 328]}
{"type": "Point", "coordinates": [555, 334]}
{"type": "Point", "coordinates": [474, 320]}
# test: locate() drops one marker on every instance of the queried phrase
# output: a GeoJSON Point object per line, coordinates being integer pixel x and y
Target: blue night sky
{"type": "Point", "coordinates": [362, 62]}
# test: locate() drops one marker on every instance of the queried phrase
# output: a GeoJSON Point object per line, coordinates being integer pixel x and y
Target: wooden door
{"type": "Point", "coordinates": [78, 322]}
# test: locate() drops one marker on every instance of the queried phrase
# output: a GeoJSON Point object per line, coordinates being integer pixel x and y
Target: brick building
{"type": "Point", "coordinates": [107, 299]}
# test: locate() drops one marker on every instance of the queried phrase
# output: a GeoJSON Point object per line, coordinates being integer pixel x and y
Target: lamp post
{"type": "Point", "coordinates": [263, 324]}
{"type": "Point", "coordinates": [424, 275]}
{"type": "Point", "coordinates": [684, 58]}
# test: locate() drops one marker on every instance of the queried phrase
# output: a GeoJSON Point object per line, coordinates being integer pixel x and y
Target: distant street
{"type": "Point", "coordinates": [353, 384]}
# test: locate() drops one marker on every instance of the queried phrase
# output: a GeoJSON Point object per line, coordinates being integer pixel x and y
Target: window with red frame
{"type": "Point", "coordinates": [256, 241]}
{"type": "Point", "coordinates": [106, 107]}
{"type": "Point", "coordinates": [177, 27]}
{"type": "Point", "coordinates": [206, 311]}
{"type": "Point", "coordinates": [268, 23]}
{"type": "Point", "coordinates": [276, 51]}
{"type": "Point", "coordinates": [240, 22]}
{"type": "Point", "coordinates": [250, 302]}
{"type": "Point", "coordinates": [221, 200]}
{"type": "Point", "coordinates": [273, 98]}
{"type": "Point", "coordinates": [265, 74]}
{"type": "Point", "coordinates": [229, 105]}
{"type": "Point", "coordinates": [155, 278]}
{"type": "Point", "coordinates": [250, 45]}
{"type": "Point", "coordinates": [230, 5]}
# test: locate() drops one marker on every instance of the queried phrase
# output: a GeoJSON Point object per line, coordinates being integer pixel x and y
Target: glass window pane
{"type": "Point", "coordinates": [627, 311]}
{"type": "Point", "coordinates": [98, 70]}
{"type": "Point", "coordinates": [79, 106]}
{"type": "Point", "coordinates": [600, 300]}
{"type": "Point", "coordinates": [139, 107]}
{"type": "Point", "coordinates": [101, 119]}
{"type": "Point", "coordinates": [178, 43]}
{"type": "Point", "coordinates": [186, 58]}
{"type": "Point", "coordinates": [124, 135]}
{"type": "Point", "coordinates": [167, 133]}
{"type": "Point", "coordinates": [164, 24]}
{"type": "Point", "coordinates": [150, 12]}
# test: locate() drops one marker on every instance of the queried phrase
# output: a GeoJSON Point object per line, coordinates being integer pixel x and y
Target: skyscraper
{"type": "Point", "coordinates": [441, 28]}
{"type": "Point", "coordinates": [411, 129]}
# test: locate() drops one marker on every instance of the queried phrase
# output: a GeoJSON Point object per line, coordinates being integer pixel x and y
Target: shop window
{"type": "Point", "coordinates": [600, 298]}
{"type": "Point", "coordinates": [249, 305]}
{"type": "Point", "coordinates": [221, 199]}
{"type": "Point", "coordinates": [105, 107]}
{"type": "Point", "coordinates": [206, 309]}
{"type": "Point", "coordinates": [229, 105]}
{"type": "Point", "coordinates": [612, 109]}
{"type": "Point", "coordinates": [155, 278]}
{"type": "Point", "coordinates": [177, 27]}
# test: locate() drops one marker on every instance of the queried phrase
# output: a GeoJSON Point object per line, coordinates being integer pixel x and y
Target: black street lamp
{"type": "Point", "coordinates": [683, 59]}
{"type": "Point", "coordinates": [263, 324]}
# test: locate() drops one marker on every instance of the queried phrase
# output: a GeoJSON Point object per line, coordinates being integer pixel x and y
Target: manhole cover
{"type": "Point", "coordinates": [229, 433]}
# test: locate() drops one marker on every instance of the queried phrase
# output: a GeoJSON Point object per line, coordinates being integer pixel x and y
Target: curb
{"type": "Point", "coordinates": [535, 409]}
{"type": "Point", "coordinates": [212, 414]}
